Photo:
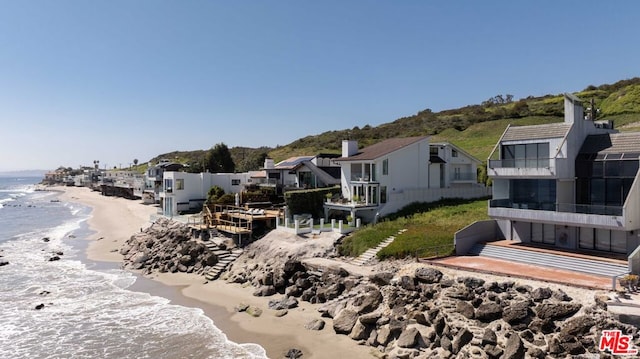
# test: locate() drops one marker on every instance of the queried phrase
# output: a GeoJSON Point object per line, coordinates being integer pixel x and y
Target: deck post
{"type": "Point", "coordinates": [296, 225]}
{"type": "Point", "coordinates": [340, 226]}
{"type": "Point", "coordinates": [333, 223]}
{"type": "Point", "coordinates": [321, 224]}
{"type": "Point", "coordinates": [357, 222]}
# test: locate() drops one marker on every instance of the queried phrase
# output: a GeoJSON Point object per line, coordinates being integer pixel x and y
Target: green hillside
{"type": "Point", "coordinates": [475, 128]}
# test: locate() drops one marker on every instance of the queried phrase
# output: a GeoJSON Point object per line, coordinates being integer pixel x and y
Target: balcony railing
{"type": "Point", "coordinates": [521, 163]}
{"type": "Point", "coordinates": [560, 207]}
{"type": "Point", "coordinates": [463, 177]}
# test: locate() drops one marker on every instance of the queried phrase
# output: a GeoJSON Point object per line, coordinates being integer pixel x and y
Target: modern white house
{"type": "Point", "coordinates": [184, 192]}
{"type": "Point", "coordinates": [387, 176]}
{"type": "Point", "coordinates": [572, 185]}
{"type": "Point", "coordinates": [303, 172]}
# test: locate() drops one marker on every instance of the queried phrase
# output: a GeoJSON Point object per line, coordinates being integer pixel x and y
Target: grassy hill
{"type": "Point", "coordinates": [475, 128]}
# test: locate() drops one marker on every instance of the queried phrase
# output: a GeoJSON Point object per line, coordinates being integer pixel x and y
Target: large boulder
{"type": "Point", "coordinates": [556, 311]}
{"type": "Point", "coordinates": [345, 320]}
{"type": "Point", "coordinates": [409, 338]}
{"type": "Point", "coordinates": [428, 275]}
{"type": "Point", "coordinates": [463, 338]}
{"type": "Point", "coordinates": [368, 302]}
{"type": "Point", "coordinates": [514, 348]}
{"type": "Point", "coordinates": [488, 312]}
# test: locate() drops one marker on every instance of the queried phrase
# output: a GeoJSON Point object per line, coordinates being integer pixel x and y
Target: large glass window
{"type": "Point", "coordinates": [533, 193]}
{"type": "Point", "coordinates": [385, 166]}
{"type": "Point", "coordinates": [168, 185]}
{"type": "Point", "coordinates": [179, 184]}
{"type": "Point", "coordinates": [530, 155]}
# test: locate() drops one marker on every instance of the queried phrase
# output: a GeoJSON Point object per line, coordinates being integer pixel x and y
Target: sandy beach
{"type": "Point", "coordinates": [114, 220]}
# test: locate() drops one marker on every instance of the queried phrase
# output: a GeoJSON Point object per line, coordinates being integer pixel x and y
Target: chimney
{"type": "Point", "coordinates": [349, 148]}
{"type": "Point", "coordinates": [268, 163]}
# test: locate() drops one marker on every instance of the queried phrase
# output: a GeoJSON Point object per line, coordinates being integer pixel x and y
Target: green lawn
{"type": "Point", "coordinates": [429, 229]}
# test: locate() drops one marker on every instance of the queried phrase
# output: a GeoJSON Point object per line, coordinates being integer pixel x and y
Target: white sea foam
{"type": "Point", "coordinates": [92, 314]}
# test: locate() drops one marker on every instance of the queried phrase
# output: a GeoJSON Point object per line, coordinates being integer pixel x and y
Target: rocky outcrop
{"type": "Point", "coordinates": [167, 246]}
{"type": "Point", "coordinates": [424, 313]}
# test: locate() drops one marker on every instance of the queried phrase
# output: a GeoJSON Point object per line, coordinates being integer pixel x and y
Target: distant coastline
{"type": "Point", "coordinates": [24, 173]}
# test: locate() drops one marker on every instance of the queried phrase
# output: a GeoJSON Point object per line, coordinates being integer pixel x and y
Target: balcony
{"type": "Point", "coordinates": [609, 217]}
{"type": "Point", "coordinates": [529, 167]}
{"type": "Point", "coordinates": [464, 177]}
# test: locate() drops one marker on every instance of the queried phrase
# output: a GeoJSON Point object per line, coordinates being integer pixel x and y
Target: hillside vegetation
{"type": "Point", "coordinates": [475, 128]}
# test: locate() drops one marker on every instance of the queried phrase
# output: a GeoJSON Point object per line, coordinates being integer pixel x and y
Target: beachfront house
{"type": "Point", "coordinates": [572, 185]}
{"type": "Point", "coordinates": [184, 192]}
{"type": "Point", "coordinates": [150, 191]}
{"type": "Point", "coordinates": [303, 172]}
{"type": "Point", "coordinates": [381, 179]}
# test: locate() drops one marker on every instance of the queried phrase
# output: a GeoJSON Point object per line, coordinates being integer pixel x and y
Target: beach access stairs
{"type": "Point", "coordinates": [370, 253]}
{"type": "Point", "coordinates": [225, 258]}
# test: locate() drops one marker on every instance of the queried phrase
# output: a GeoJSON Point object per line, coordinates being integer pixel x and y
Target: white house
{"type": "Point", "coordinates": [303, 171]}
{"type": "Point", "coordinates": [572, 185]}
{"type": "Point", "coordinates": [184, 192]}
{"type": "Point", "coordinates": [381, 179]}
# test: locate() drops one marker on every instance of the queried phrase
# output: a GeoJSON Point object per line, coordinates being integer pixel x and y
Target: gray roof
{"type": "Point", "coordinates": [551, 130]}
{"type": "Point", "coordinates": [382, 148]}
{"type": "Point", "coordinates": [627, 142]}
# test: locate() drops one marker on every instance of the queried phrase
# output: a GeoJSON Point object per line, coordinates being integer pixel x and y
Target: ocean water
{"type": "Point", "coordinates": [88, 312]}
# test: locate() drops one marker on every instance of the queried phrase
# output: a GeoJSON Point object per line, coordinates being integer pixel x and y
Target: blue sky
{"type": "Point", "coordinates": [117, 80]}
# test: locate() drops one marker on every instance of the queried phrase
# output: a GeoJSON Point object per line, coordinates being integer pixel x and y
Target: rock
{"type": "Point", "coordinates": [384, 336]}
{"type": "Point", "coordinates": [368, 302]}
{"type": "Point", "coordinates": [463, 338]}
{"type": "Point", "coordinates": [407, 283]}
{"type": "Point", "coordinates": [408, 338]}
{"type": "Point", "coordinates": [54, 258]}
{"type": "Point", "coordinates": [535, 352]}
{"type": "Point", "coordinates": [345, 320]}
{"type": "Point", "coordinates": [45, 239]}
{"type": "Point", "coordinates": [428, 275]}
{"type": "Point", "coordinates": [466, 309]}
{"type": "Point", "coordinates": [517, 312]}
{"type": "Point", "coordinates": [359, 331]}
{"type": "Point", "coordinates": [514, 348]}
{"type": "Point", "coordinates": [472, 282]}
{"type": "Point", "coordinates": [489, 337]}
{"type": "Point", "coordinates": [316, 324]}
{"type": "Point", "coordinates": [419, 318]}
{"type": "Point", "coordinates": [540, 294]}
{"type": "Point", "coordinates": [545, 326]}
{"type": "Point", "coordinates": [577, 326]}
{"type": "Point", "coordinates": [330, 292]}
{"type": "Point", "coordinates": [560, 295]}
{"type": "Point", "coordinates": [526, 335]}
{"type": "Point", "coordinates": [3, 263]}
{"type": "Point", "coordinates": [488, 312]}
{"type": "Point", "coordinates": [265, 291]}
{"type": "Point", "coordinates": [293, 353]}
{"type": "Point", "coordinates": [381, 278]}
{"type": "Point", "coordinates": [601, 300]}
{"type": "Point", "coordinates": [292, 266]}
{"type": "Point", "coordinates": [283, 303]}
{"type": "Point", "coordinates": [370, 318]}
{"type": "Point", "coordinates": [241, 307]}
{"type": "Point", "coordinates": [254, 311]}
{"type": "Point", "coordinates": [281, 313]}
{"type": "Point", "coordinates": [462, 293]}
{"type": "Point", "coordinates": [557, 311]}
{"type": "Point", "coordinates": [39, 306]}
{"type": "Point", "coordinates": [493, 351]}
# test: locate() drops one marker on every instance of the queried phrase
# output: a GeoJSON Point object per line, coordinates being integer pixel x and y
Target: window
{"type": "Point", "coordinates": [454, 153]}
{"type": "Point", "coordinates": [383, 194]}
{"type": "Point", "coordinates": [385, 166]}
{"type": "Point", "coordinates": [235, 182]}
{"type": "Point", "coordinates": [168, 185]}
{"type": "Point", "coordinates": [433, 150]}
{"type": "Point", "coordinates": [531, 155]}
{"type": "Point", "coordinates": [179, 184]}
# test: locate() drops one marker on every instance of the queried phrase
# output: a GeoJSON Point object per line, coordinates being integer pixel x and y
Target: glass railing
{"type": "Point", "coordinates": [463, 176]}
{"type": "Point", "coordinates": [521, 163]}
{"type": "Point", "coordinates": [560, 207]}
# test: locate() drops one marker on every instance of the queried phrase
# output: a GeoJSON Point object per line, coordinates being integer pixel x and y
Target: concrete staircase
{"type": "Point", "coordinates": [225, 257]}
{"type": "Point", "coordinates": [370, 253]}
{"type": "Point", "coordinates": [583, 265]}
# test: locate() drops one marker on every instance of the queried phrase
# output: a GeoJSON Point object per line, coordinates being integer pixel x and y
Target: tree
{"type": "Point", "coordinates": [135, 161]}
{"type": "Point", "coordinates": [218, 159]}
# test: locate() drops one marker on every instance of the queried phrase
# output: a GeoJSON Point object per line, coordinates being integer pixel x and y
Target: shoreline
{"type": "Point", "coordinates": [113, 220]}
